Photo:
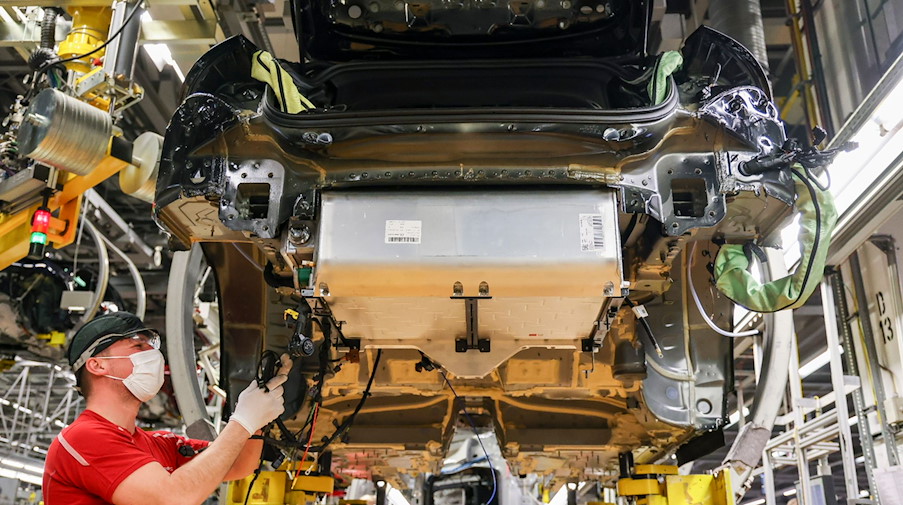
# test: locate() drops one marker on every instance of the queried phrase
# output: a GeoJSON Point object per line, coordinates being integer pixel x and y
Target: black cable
{"type": "Point", "coordinates": [630, 227]}
{"type": "Point", "coordinates": [814, 179]}
{"type": "Point", "coordinates": [479, 440]}
{"type": "Point", "coordinates": [131, 15]}
{"type": "Point", "coordinates": [350, 419]}
{"type": "Point", "coordinates": [812, 254]}
{"type": "Point", "coordinates": [815, 243]}
{"type": "Point", "coordinates": [645, 324]}
{"type": "Point", "coordinates": [317, 400]}
{"type": "Point", "coordinates": [251, 485]}
{"type": "Point", "coordinates": [48, 27]}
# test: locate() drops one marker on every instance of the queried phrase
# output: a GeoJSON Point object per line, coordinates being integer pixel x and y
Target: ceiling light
{"type": "Point", "coordinates": [162, 56]}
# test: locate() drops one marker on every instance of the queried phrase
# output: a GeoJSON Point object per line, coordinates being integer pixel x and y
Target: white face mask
{"type": "Point", "coordinates": [146, 378]}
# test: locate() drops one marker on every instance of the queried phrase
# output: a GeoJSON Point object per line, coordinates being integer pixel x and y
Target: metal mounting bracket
{"type": "Point", "coordinates": [472, 339]}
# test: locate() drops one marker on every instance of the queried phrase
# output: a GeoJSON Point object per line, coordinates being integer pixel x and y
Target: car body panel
{"type": "Point", "coordinates": [452, 239]}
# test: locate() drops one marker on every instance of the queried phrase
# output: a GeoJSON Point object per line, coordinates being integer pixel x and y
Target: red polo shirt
{"type": "Point", "coordinates": [92, 456]}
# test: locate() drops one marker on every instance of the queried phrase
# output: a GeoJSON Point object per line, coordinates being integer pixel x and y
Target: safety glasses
{"type": "Point", "coordinates": [147, 336]}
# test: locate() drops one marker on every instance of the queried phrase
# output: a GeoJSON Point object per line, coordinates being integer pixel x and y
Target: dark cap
{"type": "Point", "coordinates": [100, 333]}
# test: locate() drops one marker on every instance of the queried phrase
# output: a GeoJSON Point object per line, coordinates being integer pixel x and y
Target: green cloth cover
{"type": "Point", "coordinates": [790, 292]}
{"type": "Point", "coordinates": [667, 64]}
{"type": "Point", "coordinates": [266, 69]}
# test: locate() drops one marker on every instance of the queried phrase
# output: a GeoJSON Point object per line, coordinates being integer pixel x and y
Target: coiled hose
{"type": "Point", "coordinates": [48, 27]}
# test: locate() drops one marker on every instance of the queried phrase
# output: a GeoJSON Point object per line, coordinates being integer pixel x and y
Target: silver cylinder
{"type": "Point", "coordinates": [64, 132]}
{"type": "Point", "coordinates": [742, 21]}
{"type": "Point", "coordinates": [140, 178]}
{"type": "Point", "coordinates": [120, 56]}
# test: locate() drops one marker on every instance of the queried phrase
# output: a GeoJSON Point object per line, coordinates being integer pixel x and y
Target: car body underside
{"type": "Point", "coordinates": [468, 234]}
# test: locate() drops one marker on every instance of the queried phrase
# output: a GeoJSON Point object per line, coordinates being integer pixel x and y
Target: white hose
{"type": "Point", "coordinates": [702, 311]}
{"type": "Point", "coordinates": [103, 276]}
{"type": "Point", "coordinates": [140, 290]}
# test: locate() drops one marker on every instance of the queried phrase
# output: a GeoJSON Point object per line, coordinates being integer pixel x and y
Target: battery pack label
{"type": "Point", "coordinates": [403, 232]}
{"type": "Point", "coordinates": [592, 231]}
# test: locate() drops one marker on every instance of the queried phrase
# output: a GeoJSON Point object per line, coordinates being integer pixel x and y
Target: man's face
{"type": "Point", "coordinates": [126, 347]}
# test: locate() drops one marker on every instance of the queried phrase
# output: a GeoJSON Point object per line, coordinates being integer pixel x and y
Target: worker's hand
{"type": "Point", "coordinates": [256, 407]}
{"type": "Point", "coordinates": [285, 366]}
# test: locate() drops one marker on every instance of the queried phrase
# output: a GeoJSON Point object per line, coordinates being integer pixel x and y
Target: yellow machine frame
{"type": "Point", "coordinates": [285, 486]}
{"type": "Point", "coordinates": [15, 229]}
{"type": "Point", "coordinates": [661, 485]}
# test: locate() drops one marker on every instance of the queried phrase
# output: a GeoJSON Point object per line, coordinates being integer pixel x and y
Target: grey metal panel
{"type": "Point", "coordinates": [686, 386]}
{"type": "Point", "coordinates": [522, 243]}
{"type": "Point", "coordinates": [545, 289]}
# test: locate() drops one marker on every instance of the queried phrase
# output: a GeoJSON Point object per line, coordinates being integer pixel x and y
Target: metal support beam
{"type": "Point", "coordinates": [796, 395]}
{"type": "Point", "coordinates": [37, 402]}
{"type": "Point", "coordinates": [179, 32]}
{"type": "Point", "coordinates": [837, 381]}
{"type": "Point", "coordinates": [865, 322]}
{"type": "Point", "coordinates": [862, 424]}
{"type": "Point", "coordinates": [119, 231]}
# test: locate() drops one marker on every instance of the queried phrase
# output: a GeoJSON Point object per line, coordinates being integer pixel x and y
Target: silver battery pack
{"type": "Point", "coordinates": [519, 243]}
{"type": "Point", "coordinates": [399, 267]}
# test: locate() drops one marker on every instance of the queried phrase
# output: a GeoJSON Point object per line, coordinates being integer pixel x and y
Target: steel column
{"type": "Point", "coordinates": [887, 245]}
{"type": "Point", "coordinates": [845, 437]}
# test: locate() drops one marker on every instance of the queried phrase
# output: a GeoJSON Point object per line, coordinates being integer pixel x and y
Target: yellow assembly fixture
{"type": "Point", "coordinates": [89, 30]}
{"type": "Point", "coordinates": [54, 338]}
{"type": "Point", "coordinates": [661, 485]}
{"type": "Point", "coordinates": [286, 486]}
{"type": "Point", "coordinates": [305, 481]}
{"type": "Point", "coordinates": [15, 229]}
{"type": "Point", "coordinates": [268, 489]}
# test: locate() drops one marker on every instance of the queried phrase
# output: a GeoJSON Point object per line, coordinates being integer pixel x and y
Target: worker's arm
{"type": "Point", "coordinates": [248, 460]}
{"type": "Point", "coordinates": [193, 482]}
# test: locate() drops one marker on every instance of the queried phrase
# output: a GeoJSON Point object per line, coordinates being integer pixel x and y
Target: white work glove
{"type": "Point", "coordinates": [256, 407]}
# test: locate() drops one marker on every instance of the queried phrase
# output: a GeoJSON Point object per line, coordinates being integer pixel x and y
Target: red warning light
{"type": "Point", "coordinates": [41, 221]}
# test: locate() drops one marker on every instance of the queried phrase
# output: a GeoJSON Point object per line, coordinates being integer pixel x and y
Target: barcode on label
{"type": "Point", "coordinates": [592, 232]}
{"type": "Point", "coordinates": [403, 231]}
